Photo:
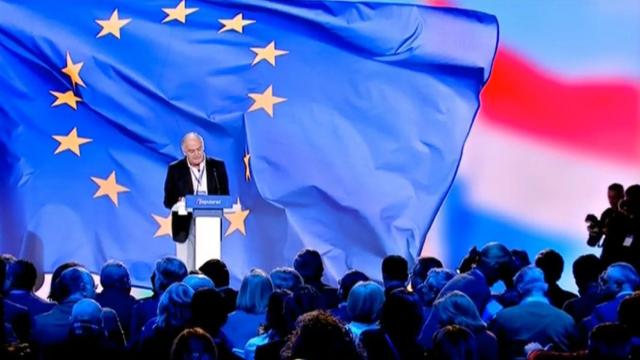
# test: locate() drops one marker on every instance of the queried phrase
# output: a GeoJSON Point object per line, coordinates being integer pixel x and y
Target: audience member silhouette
{"type": "Point", "coordinates": [421, 269]}
{"type": "Point", "coordinates": [453, 342]}
{"type": "Point", "coordinates": [629, 315]}
{"type": "Point", "coordinates": [275, 329]}
{"type": "Point", "coordinates": [428, 291]}
{"type": "Point", "coordinates": [492, 263]}
{"type": "Point", "coordinates": [364, 305]}
{"type": "Point", "coordinates": [319, 336]}
{"type": "Point", "coordinates": [251, 307]}
{"type": "Point", "coordinates": [552, 264]}
{"type": "Point", "coordinates": [209, 313]}
{"type": "Point", "coordinates": [286, 278]}
{"type": "Point", "coordinates": [619, 281]}
{"type": "Point", "coordinates": [168, 270]}
{"type": "Point", "coordinates": [400, 323]}
{"type": "Point", "coordinates": [174, 316]}
{"type": "Point", "coordinates": [217, 271]}
{"type": "Point", "coordinates": [345, 284]}
{"type": "Point", "coordinates": [87, 336]}
{"type": "Point", "coordinates": [533, 320]}
{"type": "Point", "coordinates": [456, 308]}
{"type": "Point", "coordinates": [51, 329]}
{"type": "Point", "coordinates": [22, 276]}
{"type": "Point", "coordinates": [308, 264]}
{"type": "Point", "coordinates": [194, 343]}
{"type": "Point", "coordinates": [395, 273]}
{"type": "Point", "coordinates": [608, 341]}
{"type": "Point", "coordinates": [116, 292]}
{"type": "Point", "coordinates": [198, 281]}
{"type": "Point", "coordinates": [586, 272]}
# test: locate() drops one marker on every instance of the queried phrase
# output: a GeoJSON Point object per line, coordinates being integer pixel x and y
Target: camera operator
{"type": "Point", "coordinates": [621, 230]}
{"type": "Point", "coordinates": [599, 234]}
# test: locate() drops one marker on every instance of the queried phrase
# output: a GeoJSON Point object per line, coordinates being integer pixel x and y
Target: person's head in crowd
{"type": "Point", "coordinates": [421, 269]}
{"type": "Point", "coordinates": [436, 279]}
{"type": "Point", "coordinates": [609, 341]}
{"type": "Point", "coordinates": [586, 271]}
{"type": "Point", "coordinates": [365, 302]}
{"type": "Point", "coordinates": [395, 271]}
{"type": "Point", "coordinates": [456, 308]}
{"type": "Point", "coordinates": [632, 197]}
{"type": "Point", "coordinates": [114, 275]}
{"type": "Point", "coordinates": [54, 290]}
{"type": "Point", "coordinates": [319, 336]}
{"type": "Point", "coordinates": [76, 283]}
{"type": "Point", "coordinates": [308, 263]}
{"type": "Point", "coordinates": [454, 342]}
{"type": "Point", "coordinates": [208, 309]}
{"type": "Point", "coordinates": [285, 278]}
{"type": "Point", "coordinates": [276, 320]}
{"type": "Point", "coordinates": [305, 299]}
{"type": "Point", "coordinates": [197, 282]}
{"type": "Point", "coordinates": [520, 258]}
{"type": "Point", "coordinates": [8, 260]}
{"type": "Point", "coordinates": [619, 278]}
{"type": "Point", "coordinates": [174, 307]}
{"type": "Point", "coordinates": [86, 318]}
{"type": "Point", "coordinates": [348, 281]}
{"type": "Point", "coordinates": [193, 343]}
{"type": "Point", "coordinates": [529, 282]}
{"type": "Point", "coordinates": [494, 261]}
{"type": "Point", "coordinates": [169, 270]}
{"type": "Point", "coordinates": [216, 270]}
{"type": "Point", "coordinates": [22, 275]}
{"type": "Point", "coordinates": [629, 313]}
{"type": "Point", "coordinates": [254, 292]}
{"type": "Point", "coordinates": [552, 264]}
{"type": "Point", "coordinates": [615, 193]}
{"type": "Point", "coordinates": [401, 317]}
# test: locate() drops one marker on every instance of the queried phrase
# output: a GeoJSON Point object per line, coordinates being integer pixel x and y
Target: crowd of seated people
{"type": "Point", "coordinates": [422, 312]}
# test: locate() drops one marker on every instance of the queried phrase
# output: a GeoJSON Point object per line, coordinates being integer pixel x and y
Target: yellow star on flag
{"type": "Point", "coordinates": [165, 225]}
{"type": "Point", "coordinates": [236, 219]}
{"type": "Point", "coordinates": [236, 24]}
{"type": "Point", "coordinates": [70, 142]}
{"type": "Point", "coordinates": [265, 101]}
{"type": "Point", "coordinates": [112, 26]}
{"type": "Point", "coordinates": [268, 53]}
{"type": "Point", "coordinates": [109, 187]}
{"type": "Point", "coordinates": [247, 169]}
{"type": "Point", "coordinates": [68, 98]}
{"type": "Point", "coordinates": [73, 71]}
{"type": "Point", "coordinates": [179, 13]}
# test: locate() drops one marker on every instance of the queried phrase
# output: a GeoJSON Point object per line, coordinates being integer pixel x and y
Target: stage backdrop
{"type": "Point", "coordinates": [341, 124]}
{"type": "Point", "coordinates": [559, 122]}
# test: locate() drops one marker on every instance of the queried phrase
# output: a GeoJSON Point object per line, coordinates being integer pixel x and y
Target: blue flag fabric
{"type": "Point", "coordinates": [341, 124]}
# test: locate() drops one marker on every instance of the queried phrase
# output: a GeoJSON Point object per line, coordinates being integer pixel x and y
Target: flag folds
{"type": "Point", "coordinates": [341, 124]}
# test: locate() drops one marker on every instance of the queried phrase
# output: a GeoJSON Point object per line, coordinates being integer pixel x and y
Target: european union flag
{"type": "Point", "coordinates": [342, 124]}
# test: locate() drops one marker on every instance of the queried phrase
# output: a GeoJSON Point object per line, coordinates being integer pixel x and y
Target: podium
{"type": "Point", "coordinates": [207, 212]}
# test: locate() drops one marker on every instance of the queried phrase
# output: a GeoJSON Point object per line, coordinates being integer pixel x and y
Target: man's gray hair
{"type": "Point", "coordinates": [189, 135]}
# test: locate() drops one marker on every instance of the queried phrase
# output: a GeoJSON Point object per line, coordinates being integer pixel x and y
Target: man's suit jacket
{"type": "Point", "coordinates": [178, 184]}
{"type": "Point", "coordinates": [34, 304]}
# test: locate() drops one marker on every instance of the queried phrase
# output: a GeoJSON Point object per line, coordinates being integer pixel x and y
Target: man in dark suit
{"type": "Point", "coordinates": [619, 281]}
{"type": "Point", "coordinates": [194, 174]}
{"type": "Point", "coordinates": [22, 276]}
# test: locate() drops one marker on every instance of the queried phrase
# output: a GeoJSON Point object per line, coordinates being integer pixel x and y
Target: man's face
{"type": "Point", "coordinates": [614, 198]}
{"type": "Point", "coordinates": [608, 283]}
{"type": "Point", "coordinates": [192, 149]}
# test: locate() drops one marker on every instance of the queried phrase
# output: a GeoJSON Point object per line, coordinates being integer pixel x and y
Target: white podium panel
{"type": "Point", "coordinates": [208, 230]}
